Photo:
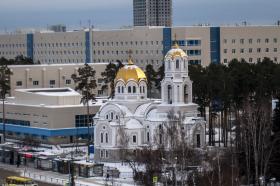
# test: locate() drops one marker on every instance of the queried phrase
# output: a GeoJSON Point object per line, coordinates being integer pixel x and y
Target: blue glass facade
{"type": "Point", "coordinates": [81, 120]}
{"type": "Point", "coordinates": [167, 40]}
{"type": "Point", "coordinates": [215, 44]}
{"type": "Point", "coordinates": [46, 132]}
{"type": "Point", "coordinates": [29, 44]}
{"type": "Point", "coordinates": [188, 42]}
{"type": "Point", "coordinates": [87, 42]}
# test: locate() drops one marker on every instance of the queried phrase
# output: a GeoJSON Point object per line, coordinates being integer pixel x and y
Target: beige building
{"type": "Point", "coordinates": [203, 44]}
{"type": "Point", "coordinates": [51, 76]}
{"type": "Point", "coordinates": [13, 45]}
{"type": "Point", "coordinates": [251, 43]}
{"type": "Point", "coordinates": [50, 115]}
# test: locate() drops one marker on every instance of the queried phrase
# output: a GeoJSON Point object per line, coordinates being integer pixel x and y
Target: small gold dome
{"type": "Point", "coordinates": [176, 51]}
{"type": "Point", "coordinates": [130, 72]}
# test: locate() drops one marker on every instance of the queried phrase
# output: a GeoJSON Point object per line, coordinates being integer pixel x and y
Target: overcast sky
{"type": "Point", "coordinates": [116, 13]}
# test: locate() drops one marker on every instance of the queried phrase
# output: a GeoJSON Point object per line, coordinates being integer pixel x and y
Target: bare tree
{"type": "Point", "coordinates": [86, 84]}
{"type": "Point", "coordinates": [256, 129]}
{"type": "Point", "coordinates": [5, 74]}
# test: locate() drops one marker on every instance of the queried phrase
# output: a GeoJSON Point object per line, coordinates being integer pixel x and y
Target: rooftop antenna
{"type": "Point", "coordinates": [89, 24]}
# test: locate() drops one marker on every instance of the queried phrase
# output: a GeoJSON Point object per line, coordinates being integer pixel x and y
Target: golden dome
{"type": "Point", "coordinates": [176, 51]}
{"type": "Point", "coordinates": [130, 72]}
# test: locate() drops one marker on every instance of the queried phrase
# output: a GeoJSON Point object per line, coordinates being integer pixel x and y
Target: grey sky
{"type": "Point", "coordinates": [116, 13]}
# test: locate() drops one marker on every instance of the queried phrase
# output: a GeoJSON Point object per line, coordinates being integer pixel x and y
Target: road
{"type": "Point", "coordinates": [6, 173]}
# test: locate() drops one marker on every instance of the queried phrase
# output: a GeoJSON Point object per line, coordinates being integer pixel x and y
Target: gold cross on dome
{"type": "Point", "coordinates": [175, 45]}
{"type": "Point", "coordinates": [130, 62]}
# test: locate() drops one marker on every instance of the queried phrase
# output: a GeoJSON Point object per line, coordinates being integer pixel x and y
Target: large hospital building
{"type": "Point", "coordinates": [203, 44]}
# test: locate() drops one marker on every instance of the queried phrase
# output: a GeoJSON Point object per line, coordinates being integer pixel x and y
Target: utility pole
{"type": "Point", "coordinates": [71, 171]}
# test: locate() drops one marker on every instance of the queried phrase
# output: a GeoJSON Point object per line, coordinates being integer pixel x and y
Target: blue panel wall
{"type": "Point", "coordinates": [46, 132]}
{"type": "Point", "coordinates": [87, 47]}
{"type": "Point", "coordinates": [215, 44]}
{"type": "Point", "coordinates": [29, 44]}
{"type": "Point", "coordinates": [167, 40]}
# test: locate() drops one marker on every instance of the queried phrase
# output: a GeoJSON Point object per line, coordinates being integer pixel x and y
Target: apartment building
{"type": "Point", "coordinates": [152, 12]}
{"type": "Point", "coordinates": [203, 44]}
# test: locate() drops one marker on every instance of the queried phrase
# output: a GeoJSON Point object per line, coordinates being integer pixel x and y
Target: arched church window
{"type": "Point", "coordinates": [119, 89]}
{"type": "Point", "coordinates": [143, 89]}
{"type": "Point", "coordinates": [106, 137]}
{"type": "Point", "coordinates": [177, 64]}
{"type": "Point", "coordinates": [134, 139]}
{"type": "Point", "coordinates": [185, 94]}
{"type": "Point", "coordinates": [117, 117]}
{"type": "Point", "coordinates": [134, 89]}
{"type": "Point", "coordinates": [122, 89]}
{"type": "Point", "coordinates": [148, 136]}
{"type": "Point", "coordinates": [169, 94]}
{"type": "Point", "coordinates": [107, 116]}
{"type": "Point", "coordinates": [101, 137]}
{"type": "Point", "coordinates": [140, 89]}
{"type": "Point", "coordinates": [178, 93]}
{"type": "Point", "coordinates": [112, 115]}
{"type": "Point", "coordinates": [129, 89]}
{"type": "Point", "coordinates": [198, 143]}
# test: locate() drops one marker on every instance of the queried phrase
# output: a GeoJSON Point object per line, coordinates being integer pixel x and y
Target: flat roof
{"type": "Point", "coordinates": [66, 91]}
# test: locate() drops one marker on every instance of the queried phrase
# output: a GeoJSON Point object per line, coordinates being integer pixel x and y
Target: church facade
{"type": "Point", "coordinates": [131, 120]}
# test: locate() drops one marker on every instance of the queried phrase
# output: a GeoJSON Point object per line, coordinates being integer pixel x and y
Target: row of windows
{"type": "Point", "coordinates": [12, 45]}
{"type": "Point", "coordinates": [104, 154]}
{"type": "Point", "coordinates": [275, 59]}
{"type": "Point", "coordinates": [59, 52]}
{"type": "Point", "coordinates": [111, 116]}
{"type": "Point", "coordinates": [59, 44]}
{"type": "Point", "coordinates": [16, 122]}
{"type": "Point", "coordinates": [188, 42]}
{"type": "Point", "coordinates": [250, 41]}
{"type": "Point", "coordinates": [103, 52]}
{"type": "Point", "coordinates": [122, 43]}
{"type": "Point", "coordinates": [250, 50]}
{"type": "Point", "coordinates": [62, 60]}
{"type": "Point", "coordinates": [195, 62]}
{"type": "Point", "coordinates": [131, 89]}
{"type": "Point", "coordinates": [81, 120]}
{"type": "Point", "coordinates": [177, 64]}
{"type": "Point", "coordinates": [194, 52]}
{"type": "Point", "coordinates": [153, 62]}
{"type": "Point", "coordinates": [36, 83]}
{"type": "Point", "coordinates": [104, 137]}
{"type": "Point", "coordinates": [12, 53]}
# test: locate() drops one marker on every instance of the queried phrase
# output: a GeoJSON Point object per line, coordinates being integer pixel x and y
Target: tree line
{"type": "Point", "coordinates": [18, 60]}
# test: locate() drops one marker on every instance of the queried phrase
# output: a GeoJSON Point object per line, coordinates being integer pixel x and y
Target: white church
{"type": "Point", "coordinates": [131, 120]}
